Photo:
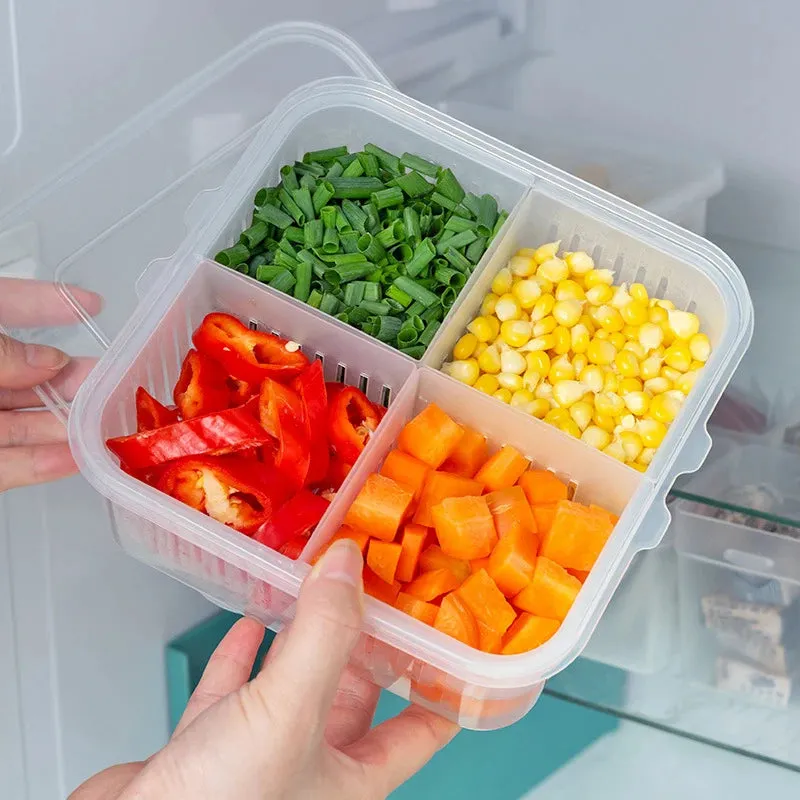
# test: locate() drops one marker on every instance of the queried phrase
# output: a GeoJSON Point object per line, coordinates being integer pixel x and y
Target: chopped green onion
{"type": "Point", "coordinates": [266, 272]}
{"type": "Point", "coordinates": [348, 258]}
{"type": "Point", "coordinates": [387, 328]}
{"type": "Point", "coordinates": [408, 334]}
{"type": "Point", "coordinates": [309, 181]}
{"type": "Point", "coordinates": [458, 261]}
{"type": "Point", "coordinates": [371, 247]}
{"type": "Point", "coordinates": [273, 215]}
{"type": "Point", "coordinates": [283, 259]}
{"type": "Point", "coordinates": [392, 234]}
{"type": "Point", "coordinates": [354, 293]}
{"type": "Point", "coordinates": [399, 296]}
{"type": "Point", "coordinates": [256, 262]}
{"type": "Point", "coordinates": [413, 184]}
{"type": "Point", "coordinates": [348, 272]}
{"type": "Point", "coordinates": [286, 246]}
{"type": "Point", "coordinates": [356, 188]}
{"type": "Point", "coordinates": [334, 171]}
{"type": "Point", "coordinates": [444, 202]}
{"type": "Point", "coordinates": [403, 252]}
{"type": "Point", "coordinates": [423, 255]}
{"type": "Point", "coordinates": [456, 241]}
{"type": "Point", "coordinates": [475, 250]}
{"type": "Point", "coordinates": [283, 281]}
{"type": "Point", "coordinates": [314, 299]}
{"type": "Point", "coordinates": [322, 194]}
{"type": "Point", "coordinates": [387, 160]}
{"type": "Point", "coordinates": [349, 240]}
{"type": "Point", "coordinates": [253, 236]}
{"type": "Point", "coordinates": [317, 266]}
{"type": "Point", "coordinates": [459, 224]}
{"type": "Point", "coordinates": [357, 315]}
{"type": "Point", "coordinates": [450, 277]}
{"type": "Point", "coordinates": [328, 154]}
{"type": "Point", "coordinates": [410, 161]}
{"type": "Point", "coordinates": [447, 184]}
{"type": "Point", "coordinates": [411, 225]}
{"type": "Point", "coordinates": [330, 240]}
{"type": "Point", "coordinates": [302, 289]}
{"type": "Point", "coordinates": [487, 215]}
{"type": "Point", "coordinates": [391, 196]}
{"type": "Point", "coordinates": [293, 234]}
{"type": "Point", "coordinates": [356, 216]}
{"type": "Point", "coordinates": [289, 178]}
{"type": "Point", "coordinates": [379, 308]}
{"type": "Point", "coordinates": [462, 211]}
{"type": "Point", "coordinates": [343, 316]}
{"type": "Point", "coordinates": [426, 337]}
{"type": "Point", "coordinates": [287, 201]}
{"type": "Point", "coordinates": [501, 218]}
{"type": "Point", "coordinates": [435, 312]}
{"type": "Point", "coordinates": [329, 303]}
{"type": "Point", "coordinates": [302, 198]}
{"type": "Point", "coordinates": [313, 232]}
{"type": "Point", "coordinates": [370, 164]}
{"type": "Point", "coordinates": [415, 351]}
{"type": "Point", "coordinates": [233, 256]}
{"type": "Point", "coordinates": [354, 169]}
{"type": "Point", "coordinates": [416, 291]}
{"type": "Point", "coordinates": [264, 196]}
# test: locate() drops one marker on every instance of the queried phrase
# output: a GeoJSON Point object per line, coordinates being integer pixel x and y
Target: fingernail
{"type": "Point", "coordinates": [342, 562]}
{"type": "Point", "coordinates": [43, 357]}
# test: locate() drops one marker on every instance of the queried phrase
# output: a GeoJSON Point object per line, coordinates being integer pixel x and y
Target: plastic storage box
{"type": "Point", "coordinates": [479, 690]}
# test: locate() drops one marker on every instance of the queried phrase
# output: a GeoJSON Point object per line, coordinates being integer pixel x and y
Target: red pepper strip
{"type": "Point", "coordinates": [212, 434]}
{"type": "Point", "coordinates": [294, 547]}
{"type": "Point", "coordinates": [201, 386]}
{"type": "Point", "coordinates": [248, 355]}
{"type": "Point", "coordinates": [296, 517]}
{"type": "Point", "coordinates": [352, 419]}
{"type": "Point", "coordinates": [150, 414]}
{"type": "Point", "coordinates": [281, 412]}
{"type": "Point", "coordinates": [240, 391]}
{"type": "Point", "coordinates": [237, 492]}
{"type": "Point", "coordinates": [337, 472]}
{"type": "Point", "coordinates": [310, 386]}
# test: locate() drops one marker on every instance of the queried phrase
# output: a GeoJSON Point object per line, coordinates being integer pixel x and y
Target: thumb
{"type": "Point", "coordinates": [26, 365]}
{"type": "Point", "coordinates": [317, 646]}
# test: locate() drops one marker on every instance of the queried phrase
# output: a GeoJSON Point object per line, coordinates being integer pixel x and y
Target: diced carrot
{"type": "Point", "coordinates": [456, 620]}
{"type": "Point", "coordinates": [503, 468]}
{"type": "Point", "coordinates": [378, 588]}
{"type": "Point", "coordinates": [577, 535]}
{"type": "Point", "coordinates": [345, 532]}
{"type": "Point", "coordinates": [468, 457]}
{"type": "Point", "coordinates": [431, 585]}
{"type": "Point", "coordinates": [486, 601]}
{"type": "Point", "coordinates": [406, 470]}
{"type": "Point", "coordinates": [542, 487]}
{"type": "Point", "coordinates": [489, 640]}
{"type": "Point", "coordinates": [439, 486]}
{"type": "Point", "coordinates": [379, 508]}
{"type": "Point", "coordinates": [413, 542]}
{"type": "Point", "coordinates": [478, 563]}
{"type": "Point", "coordinates": [434, 557]}
{"type": "Point", "coordinates": [425, 612]}
{"type": "Point", "coordinates": [509, 508]}
{"type": "Point", "coordinates": [527, 633]}
{"type": "Point", "coordinates": [382, 558]}
{"type": "Point", "coordinates": [551, 593]}
{"type": "Point", "coordinates": [612, 517]}
{"type": "Point", "coordinates": [464, 527]}
{"type": "Point", "coordinates": [431, 436]}
{"type": "Point", "coordinates": [544, 516]}
{"type": "Point", "coordinates": [513, 560]}
{"type": "Point", "coordinates": [579, 574]}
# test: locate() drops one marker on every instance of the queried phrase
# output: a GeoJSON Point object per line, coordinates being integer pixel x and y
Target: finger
{"type": "Point", "coordinates": [27, 303]}
{"type": "Point", "coordinates": [66, 383]}
{"type": "Point", "coordinates": [353, 709]}
{"type": "Point", "coordinates": [26, 365]}
{"type": "Point", "coordinates": [319, 641]}
{"type": "Point", "coordinates": [30, 464]}
{"type": "Point", "coordinates": [30, 427]}
{"type": "Point", "coordinates": [109, 783]}
{"type": "Point", "coordinates": [227, 670]}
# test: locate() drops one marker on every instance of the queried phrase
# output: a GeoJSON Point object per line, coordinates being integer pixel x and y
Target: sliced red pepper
{"type": "Point", "coordinates": [296, 517]}
{"type": "Point", "coordinates": [338, 470]}
{"type": "Point", "coordinates": [294, 547]}
{"type": "Point", "coordinates": [201, 387]}
{"type": "Point", "coordinates": [212, 434]}
{"type": "Point", "coordinates": [352, 419]}
{"type": "Point", "coordinates": [281, 412]}
{"type": "Point", "coordinates": [150, 414]}
{"type": "Point", "coordinates": [248, 355]}
{"type": "Point", "coordinates": [240, 391]}
{"type": "Point", "coordinates": [237, 492]}
{"type": "Point", "coordinates": [310, 386]}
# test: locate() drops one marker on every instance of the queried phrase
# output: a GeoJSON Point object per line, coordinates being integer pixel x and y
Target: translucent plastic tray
{"type": "Point", "coordinates": [477, 689]}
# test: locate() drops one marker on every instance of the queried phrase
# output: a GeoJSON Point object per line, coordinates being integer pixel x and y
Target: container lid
{"type": "Point", "coordinates": [102, 220]}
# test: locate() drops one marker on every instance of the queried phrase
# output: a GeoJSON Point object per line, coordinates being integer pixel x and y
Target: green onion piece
{"type": "Point", "coordinates": [317, 266]}
{"type": "Point", "coordinates": [386, 159]}
{"type": "Point", "coordinates": [475, 250]}
{"type": "Point", "coordinates": [347, 160]}
{"type": "Point", "coordinates": [334, 171]}
{"type": "Point", "coordinates": [348, 272]}
{"type": "Point", "coordinates": [264, 196]}
{"type": "Point", "coordinates": [397, 309]}
{"type": "Point", "coordinates": [322, 194]}
{"type": "Point", "coordinates": [283, 281]}
{"type": "Point", "coordinates": [343, 316]}
{"type": "Point", "coordinates": [462, 211]}
{"type": "Point", "coordinates": [349, 241]}
{"type": "Point", "coordinates": [330, 241]}
{"type": "Point", "coordinates": [371, 247]}
{"type": "Point", "coordinates": [287, 201]}
{"type": "Point", "coordinates": [289, 178]}
{"type": "Point", "coordinates": [354, 169]}
{"type": "Point", "coordinates": [302, 289]}
{"type": "Point", "coordinates": [293, 234]}
{"type": "Point", "coordinates": [342, 223]}
{"type": "Point", "coordinates": [434, 313]}
{"type": "Point", "coordinates": [328, 154]}
{"type": "Point", "coordinates": [407, 335]}
{"type": "Point", "coordinates": [399, 296]}
{"type": "Point", "coordinates": [458, 261]}
{"type": "Point", "coordinates": [415, 308]}
{"type": "Point", "coordinates": [309, 181]}
{"type": "Point", "coordinates": [411, 225]}
{"type": "Point", "coordinates": [425, 220]}
{"type": "Point", "coordinates": [329, 303]}
{"type": "Point", "coordinates": [403, 252]}
{"type": "Point", "coordinates": [459, 224]}
{"type": "Point", "coordinates": [456, 241]}
{"type": "Point", "coordinates": [373, 218]}
{"type": "Point", "coordinates": [450, 277]}
{"type": "Point", "coordinates": [286, 246]}
{"type": "Point", "coordinates": [447, 184]}
{"type": "Point", "coordinates": [302, 197]}
{"type": "Point", "coordinates": [448, 297]}
{"type": "Point", "coordinates": [356, 216]}
{"type": "Point", "coordinates": [348, 258]}
{"type": "Point", "coordinates": [314, 299]}
{"type": "Point", "coordinates": [487, 215]}
{"type": "Point", "coordinates": [378, 308]}
{"type": "Point", "coordinates": [426, 337]}
{"type": "Point", "coordinates": [392, 214]}
{"type": "Point", "coordinates": [328, 216]}
{"type": "Point", "coordinates": [256, 262]}
{"type": "Point", "coordinates": [387, 329]}
{"type": "Point", "coordinates": [253, 236]}
{"type": "Point", "coordinates": [410, 161]}
{"type": "Point", "coordinates": [356, 188]}
{"type": "Point", "coordinates": [372, 291]}
{"type": "Point", "coordinates": [267, 272]}
{"type": "Point", "coordinates": [370, 164]}
{"type": "Point", "coordinates": [354, 292]}
{"type": "Point", "coordinates": [357, 315]}
{"type": "Point", "coordinates": [501, 218]}
{"type": "Point", "coordinates": [437, 223]}
{"type": "Point", "coordinates": [286, 261]}
{"type": "Point", "coordinates": [413, 184]}
{"type": "Point", "coordinates": [391, 196]}
{"type": "Point", "coordinates": [315, 169]}
{"type": "Point", "coordinates": [417, 292]}
{"type": "Point", "coordinates": [273, 215]}
{"type": "Point", "coordinates": [472, 202]}
{"type": "Point", "coordinates": [415, 351]}
{"type": "Point", "coordinates": [392, 234]}
{"type": "Point", "coordinates": [233, 256]}
{"type": "Point", "coordinates": [313, 232]}
{"type": "Point", "coordinates": [423, 255]}
{"type": "Point", "coordinates": [444, 202]}
{"type": "Point", "coordinates": [375, 277]}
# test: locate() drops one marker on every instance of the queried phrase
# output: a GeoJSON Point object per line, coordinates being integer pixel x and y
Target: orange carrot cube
{"type": "Point", "coordinates": [551, 592]}
{"type": "Point", "coordinates": [510, 508]}
{"type": "Point", "coordinates": [419, 609]}
{"type": "Point", "coordinates": [406, 470]}
{"type": "Point", "coordinates": [513, 560]}
{"type": "Point", "coordinates": [382, 558]}
{"type": "Point", "coordinates": [482, 597]}
{"type": "Point", "coordinates": [345, 532]}
{"type": "Point", "coordinates": [528, 633]}
{"type": "Point", "coordinates": [430, 585]}
{"type": "Point", "coordinates": [544, 516]}
{"type": "Point", "coordinates": [379, 508]}
{"type": "Point", "coordinates": [439, 486]}
{"type": "Point", "coordinates": [412, 543]}
{"type": "Point", "coordinates": [503, 469]}
{"type": "Point", "coordinates": [464, 527]}
{"type": "Point", "coordinates": [431, 436]}
{"type": "Point", "coordinates": [542, 487]}
{"type": "Point", "coordinates": [469, 456]}
{"type": "Point", "coordinates": [434, 557]}
{"type": "Point", "coordinates": [478, 563]}
{"type": "Point", "coordinates": [378, 588]}
{"type": "Point", "coordinates": [456, 620]}
{"type": "Point", "coordinates": [577, 535]}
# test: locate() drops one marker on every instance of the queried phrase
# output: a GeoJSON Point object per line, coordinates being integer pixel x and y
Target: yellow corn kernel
{"type": "Point", "coordinates": [650, 367]}
{"type": "Point", "coordinates": [650, 336]}
{"type": "Point", "coordinates": [652, 432]}
{"type": "Point", "coordinates": [563, 340]}
{"type": "Point", "coordinates": [544, 391]}
{"type": "Point", "coordinates": [515, 332]}
{"type": "Point", "coordinates": [670, 373]}
{"type": "Point", "coordinates": [554, 270]}
{"type": "Point", "coordinates": [639, 293]}
{"type": "Point", "coordinates": [512, 361]}
{"type": "Point", "coordinates": [631, 333]}
{"type": "Point", "coordinates": [538, 362]}
{"type": "Point", "coordinates": [602, 334]}
{"type": "Point", "coordinates": [627, 364]}
{"type": "Point", "coordinates": [615, 450]}
{"type": "Point", "coordinates": [658, 316]}
{"type": "Point", "coordinates": [610, 382]}
{"type": "Point", "coordinates": [617, 339]}
{"type": "Point", "coordinates": [546, 251]}
{"type": "Point", "coordinates": [567, 312]}
{"type": "Point", "coordinates": [530, 379]}
{"type": "Point", "coordinates": [480, 348]}
{"type": "Point", "coordinates": [579, 362]}
{"type": "Point", "coordinates": [465, 371]}
{"type": "Point", "coordinates": [592, 378]}
{"type": "Point", "coordinates": [601, 352]}
{"type": "Point", "coordinates": [561, 369]}
{"type": "Point", "coordinates": [522, 265]}
{"type": "Point", "coordinates": [609, 404]}
{"type": "Point", "coordinates": [684, 324]}
{"type": "Point", "coordinates": [588, 323]}
{"type": "Point", "coordinates": [522, 398]}
{"type": "Point", "coordinates": [628, 385]}
{"type": "Point", "coordinates": [527, 252]}
{"type": "Point", "coordinates": [489, 360]}
{"type": "Point", "coordinates": [507, 307]}
{"type": "Point", "coordinates": [637, 466]}
{"type": "Point", "coordinates": [526, 292]}
{"type": "Point", "coordinates": [504, 395]}
{"type": "Point", "coordinates": [489, 304]}
{"type": "Point", "coordinates": [567, 392]}
{"type": "Point", "coordinates": [481, 329]}
{"type": "Point", "coordinates": [596, 437]}
{"type": "Point", "coordinates": [544, 326]}
{"type": "Point", "coordinates": [686, 381]}
{"type": "Point", "coordinates": [465, 346]}
{"type": "Point", "coordinates": [646, 456]}
{"type": "Point", "coordinates": [555, 416]}
{"type": "Point", "coordinates": [579, 338]}
{"type": "Point", "coordinates": [579, 262]}
{"type": "Point", "coordinates": [569, 426]}
{"type": "Point", "coordinates": [502, 281]}
{"type": "Point", "coordinates": [570, 290]}
{"type": "Point", "coordinates": [605, 422]}
{"type": "Point", "coordinates": [581, 413]}
{"type": "Point", "coordinates": [635, 348]}
{"type": "Point", "coordinates": [667, 304]}
{"type": "Point", "coordinates": [658, 385]}
{"type": "Point", "coordinates": [597, 277]}
{"type": "Point", "coordinates": [539, 407]}
{"type": "Point", "coordinates": [666, 406]}
{"type": "Point", "coordinates": [546, 342]}
{"type": "Point", "coordinates": [487, 384]}
{"type": "Point", "coordinates": [700, 347]}
{"type": "Point", "coordinates": [545, 285]}
{"type": "Point", "coordinates": [620, 296]}
{"type": "Point", "coordinates": [599, 294]}
{"type": "Point", "coordinates": [634, 313]}
{"type": "Point", "coordinates": [627, 422]}
{"type": "Point", "coordinates": [697, 365]}
{"type": "Point", "coordinates": [631, 444]}
{"type": "Point", "coordinates": [542, 308]}
{"type": "Point", "coordinates": [678, 356]}
{"type": "Point", "coordinates": [510, 381]}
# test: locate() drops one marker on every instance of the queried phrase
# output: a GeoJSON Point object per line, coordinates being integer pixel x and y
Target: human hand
{"type": "Point", "coordinates": [33, 446]}
{"type": "Point", "coordinates": [300, 728]}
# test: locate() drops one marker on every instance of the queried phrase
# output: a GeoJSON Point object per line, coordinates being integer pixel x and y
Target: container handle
{"type": "Point", "coordinates": [654, 526]}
